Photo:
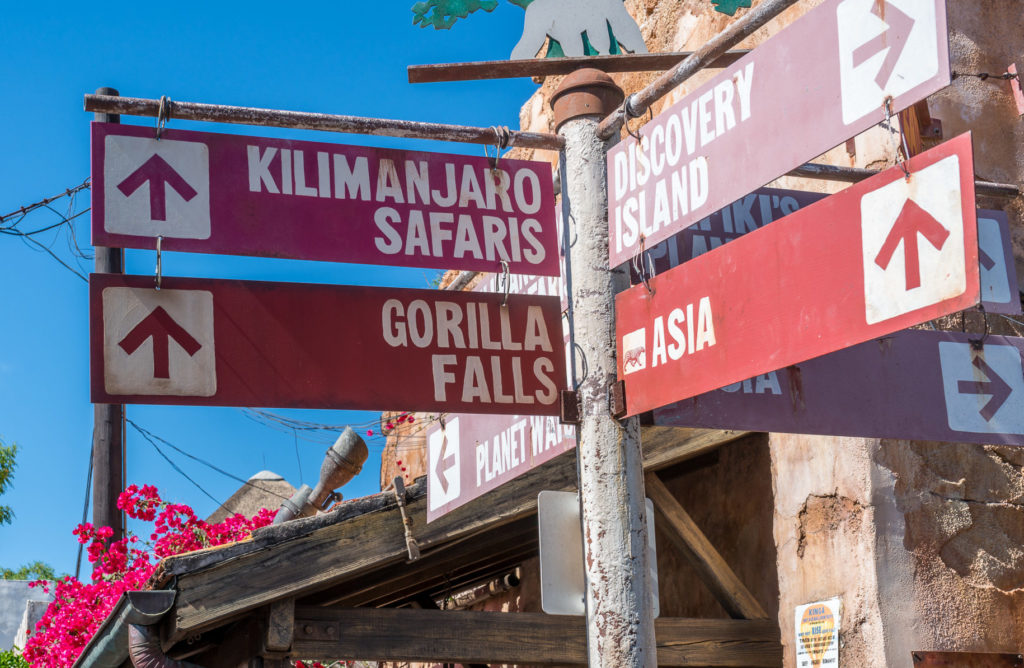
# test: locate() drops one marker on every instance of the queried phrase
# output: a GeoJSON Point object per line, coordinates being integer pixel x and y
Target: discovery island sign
{"type": "Point", "coordinates": [825, 78]}
{"type": "Point", "coordinates": [240, 195]}
{"type": "Point", "coordinates": [248, 343]}
{"type": "Point", "coordinates": [885, 254]}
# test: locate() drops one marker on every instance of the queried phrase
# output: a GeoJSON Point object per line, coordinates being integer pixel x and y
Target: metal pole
{"type": "Point", "coordinates": [301, 120]}
{"type": "Point", "coordinates": [640, 102]}
{"type": "Point", "coordinates": [108, 425]}
{"type": "Point", "coordinates": [620, 625]}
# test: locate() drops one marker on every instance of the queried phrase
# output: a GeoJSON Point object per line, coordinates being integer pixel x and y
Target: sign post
{"type": "Point", "coordinates": [620, 624]}
{"type": "Point", "coordinates": [885, 254]}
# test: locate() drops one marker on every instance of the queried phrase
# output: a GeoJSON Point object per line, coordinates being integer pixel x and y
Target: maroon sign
{"type": "Point", "coordinates": [216, 193]}
{"type": "Point", "coordinates": [920, 385]}
{"type": "Point", "coordinates": [820, 81]}
{"type": "Point", "coordinates": [248, 343]}
{"type": "Point", "coordinates": [880, 256]}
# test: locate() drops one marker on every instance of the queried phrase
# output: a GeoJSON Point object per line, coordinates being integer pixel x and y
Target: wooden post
{"type": "Point", "coordinates": [620, 625]}
{"type": "Point", "coordinates": [108, 419]}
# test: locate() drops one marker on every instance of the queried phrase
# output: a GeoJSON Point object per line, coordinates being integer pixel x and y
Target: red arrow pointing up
{"type": "Point", "coordinates": [444, 462]}
{"type": "Point", "coordinates": [158, 174]}
{"type": "Point", "coordinates": [162, 327]}
{"type": "Point", "coordinates": [913, 220]}
{"type": "Point", "coordinates": [894, 38]}
{"type": "Point", "coordinates": [998, 388]}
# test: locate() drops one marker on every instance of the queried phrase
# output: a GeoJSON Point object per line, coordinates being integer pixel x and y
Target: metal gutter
{"type": "Point", "coordinates": [109, 646]}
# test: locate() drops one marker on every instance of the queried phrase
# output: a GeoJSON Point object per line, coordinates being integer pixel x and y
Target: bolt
{"type": "Point", "coordinates": [308, 629]}
{"type": "Point", "coordinates": [330, 631]}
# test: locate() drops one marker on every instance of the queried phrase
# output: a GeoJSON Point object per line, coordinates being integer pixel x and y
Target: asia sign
{"type": "Point", "coordinates": [885, 254]}
{"type": "Point", "coordinates": [239, 195]}
{"type": "Point", "coordinates": [823, 79]}
{"type": "Point", "coordinates": [915, 384]}
{"type": "Point", "coordinates": [248, 343]}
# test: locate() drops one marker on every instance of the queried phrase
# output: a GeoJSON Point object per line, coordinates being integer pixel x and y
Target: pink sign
{"type": "Point", "coordinates": [239, 195]}
{"type": "Point", "coordinates": [820, 81]}
{"type": "Point", "coordinates": [883, 255]}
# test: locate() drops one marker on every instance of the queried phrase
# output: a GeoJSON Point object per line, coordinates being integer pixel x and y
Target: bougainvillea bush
{"type": "Point", "coordinates": [79, 608]}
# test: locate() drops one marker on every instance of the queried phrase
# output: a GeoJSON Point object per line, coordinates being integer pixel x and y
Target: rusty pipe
{"type": "Point", "coordinates": [145, 651]}
{"type": "Point", "coordinates": [343, 461]}
{"type": "Point", "coordinates": [301, 120]}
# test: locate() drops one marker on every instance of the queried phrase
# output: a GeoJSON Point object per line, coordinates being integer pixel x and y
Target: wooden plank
{"type": "Point", "coordinates": [433, 636]}
{"type": "Point", "coordinates": [221, 588]}
{"type": "Point", "coordinates": [280, 625]}
{"type": "Point", "coordinates": [543, 67]}
{"type": "Point", "coordinates": [702, 555]}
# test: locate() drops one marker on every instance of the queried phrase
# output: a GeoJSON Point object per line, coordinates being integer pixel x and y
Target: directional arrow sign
{"type": "Point", "coordinates": [248, 343]}
{"type": "Point", "coordinates": [161, 328]}
{"type": "Point", "coordinates": [913, 384]}
{"type": "Point", "coordinates": [237, 195]}
{"type": "Point", "coordinates": [159, 175]}
{"type": "Point", "coordinates": [806, 285]}
{"type": "Point", "coordinates": [445, 461]}
{"type": "Point", "coordinates": [911, 222]}
{"type": "Point", "coordinates": [817, 83]}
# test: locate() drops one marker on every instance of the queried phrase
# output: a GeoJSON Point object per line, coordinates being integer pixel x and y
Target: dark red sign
{"type": "Point", "coordinates": [249, 343]}
{"type": "Point", "coordinates": [914, 384]}
{"type": "Point", "coordinates": [825, 78]}
{"type": "Point", "coordinates": [238, 195]}
{"type": "Point", "coordinates": [880, 256]}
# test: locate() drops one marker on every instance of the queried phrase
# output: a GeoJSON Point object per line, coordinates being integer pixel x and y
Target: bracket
{"type": "Point", "coordinates": [617, 399]}
{"type": "Point", "coordinates": [400, 498]}
{"type": "Point", "coordinates": [569, 407]}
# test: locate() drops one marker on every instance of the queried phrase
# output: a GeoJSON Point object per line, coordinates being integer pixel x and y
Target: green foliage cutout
{"type": "Point", "coordinates": [442, 14]}
{"type": "Point", "coordinates": [729, 6]}
{"type": "Point", "coordinates": [37, 570]}
{"type": "Point", "coordinates": [7, 465]}
{"type": "Point", "coordinates": [12, 659]}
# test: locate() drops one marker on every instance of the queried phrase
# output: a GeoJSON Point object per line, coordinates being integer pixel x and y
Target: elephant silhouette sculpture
{"type": "Point", "coordinates": [566, 21]}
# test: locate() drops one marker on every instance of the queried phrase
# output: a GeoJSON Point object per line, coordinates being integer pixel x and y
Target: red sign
{"type": "Point", "coordinates": [820, 81]}
{"type": "Point", "coordinates": [249, 343]}
{"type": "Point", "coordinates": [231, 194]}
{"type": "Point", "coordinates": [880, 256]}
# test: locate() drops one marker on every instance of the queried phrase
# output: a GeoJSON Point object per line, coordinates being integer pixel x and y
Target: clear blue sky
{"type": "Point", "coordinates": [340, 57]}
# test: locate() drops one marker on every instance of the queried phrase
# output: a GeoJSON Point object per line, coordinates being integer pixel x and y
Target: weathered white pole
{"type": "Point", "coordinates": [620, 625]}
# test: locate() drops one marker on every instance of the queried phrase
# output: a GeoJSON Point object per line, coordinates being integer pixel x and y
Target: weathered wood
{"type": "Point", "coordinates": [217, 585]}
{"type": "Point", "coordinates": [280, 626]}
{"type": "Point", "coordinates": [449, 566]}
{"type": "Point", "coordinates": [241, 643]}
{"type": "Point", "coordinates": [544, 67]}
{"type": "Point", "coordinates": [702, 555]}
{"type": "Point", "coordinates": [435, 636]}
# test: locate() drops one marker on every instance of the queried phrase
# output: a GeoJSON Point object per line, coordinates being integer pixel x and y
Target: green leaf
{"type": "Point", "coordinates": [442, 14]}
{"type": "Point", "coordinates": [729, 6]}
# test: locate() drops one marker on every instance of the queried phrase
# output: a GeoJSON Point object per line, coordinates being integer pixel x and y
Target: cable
{"type": "Point", "coordinates": [150, 436]}
{"type": "Point", "coordinates": [85, 508]}
{"type": "Point", "coordinates": [177, 468]}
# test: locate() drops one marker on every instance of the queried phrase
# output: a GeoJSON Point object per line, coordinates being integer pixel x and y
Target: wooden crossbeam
{"type": "Point", "coordinates": [544, 67]}
{"type": "Point", "coordinates": [213, 589]}
{"type": "Point", "coordinates": [435, 636]}
{"type": "Point", "coordinates": [702, 555]}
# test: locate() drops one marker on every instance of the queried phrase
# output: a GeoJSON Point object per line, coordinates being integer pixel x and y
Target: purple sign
{"type": "Point", "coordinates": [827, 77]}
{"type": "Point", "coordinates": [215, 193]}
{"type": "Point", "coordinates": [914, 384]}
